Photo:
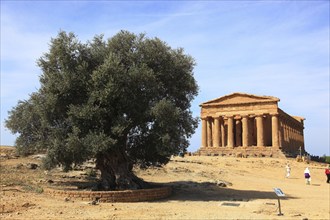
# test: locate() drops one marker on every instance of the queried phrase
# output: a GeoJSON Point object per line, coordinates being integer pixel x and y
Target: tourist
{"type": "Point", "coordinates": [288, 170]}
{"type": "Point", "coordinates": [327, 172]}
{"type": "Point", "coordinates": [307, 176]}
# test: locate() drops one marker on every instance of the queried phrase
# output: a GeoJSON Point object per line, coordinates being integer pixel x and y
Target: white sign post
{"type": "Point", "coordinates": [279, 194]}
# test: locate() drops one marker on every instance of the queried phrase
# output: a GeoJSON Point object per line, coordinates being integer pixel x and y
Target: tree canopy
{"type": "Point", "coordinates": [122, 101]}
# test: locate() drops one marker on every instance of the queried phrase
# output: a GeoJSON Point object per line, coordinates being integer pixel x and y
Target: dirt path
{"type": "Point", "coordinates": [198, 192]}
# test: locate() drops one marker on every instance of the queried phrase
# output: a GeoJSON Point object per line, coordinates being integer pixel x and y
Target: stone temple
{"type": "Point", "coordinates": [245, 125]}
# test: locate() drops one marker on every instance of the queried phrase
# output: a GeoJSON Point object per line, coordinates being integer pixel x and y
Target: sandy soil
{"type": "Point", "coordinates": [198, 191]}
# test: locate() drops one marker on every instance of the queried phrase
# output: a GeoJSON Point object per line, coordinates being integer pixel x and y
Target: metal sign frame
{"type": "Point", "coordinates": [279, 194]}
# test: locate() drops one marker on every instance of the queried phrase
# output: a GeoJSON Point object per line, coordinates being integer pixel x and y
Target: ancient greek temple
{"type": "Point", "coordinates": [242, 124]}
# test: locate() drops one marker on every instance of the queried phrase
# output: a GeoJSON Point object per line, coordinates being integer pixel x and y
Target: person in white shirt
{"type": "Point", "coordinates": [288, 170]}
{"type": "Point", "coordinates": [307, 176]}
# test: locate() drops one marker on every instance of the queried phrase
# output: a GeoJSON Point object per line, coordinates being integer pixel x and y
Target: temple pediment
{"type": "Point", "coordinates": [240, 98]}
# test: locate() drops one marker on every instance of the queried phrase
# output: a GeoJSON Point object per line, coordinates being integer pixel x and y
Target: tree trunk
{"type": "Point", "coordinates": [116, 172]}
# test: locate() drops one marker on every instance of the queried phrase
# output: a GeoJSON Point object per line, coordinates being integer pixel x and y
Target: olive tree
{"type": "Point", "coordinates": [121, 101]}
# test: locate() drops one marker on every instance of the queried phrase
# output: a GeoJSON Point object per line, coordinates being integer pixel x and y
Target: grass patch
{"type": "Point", "coordinates": [33, 188]}
{"type": "Point", "coordinates": [22, 177]}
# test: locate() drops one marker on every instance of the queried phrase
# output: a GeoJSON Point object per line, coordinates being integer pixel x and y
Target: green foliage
{"type": "Point", "coordinates": [327, 159]}
{"type": "Point", "coordinates": [129, 92]}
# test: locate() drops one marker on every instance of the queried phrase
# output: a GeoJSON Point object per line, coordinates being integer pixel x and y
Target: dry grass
{"type": "Point", "coordinates": [195, 182]}
{"type": "Point", "coordinates": [15, 174]}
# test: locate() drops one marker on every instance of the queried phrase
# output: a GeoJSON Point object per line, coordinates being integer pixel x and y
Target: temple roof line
{"type": "Point", "coordinates": [296, 118]}
{"type": "Point", "coordinates": [240, 98]}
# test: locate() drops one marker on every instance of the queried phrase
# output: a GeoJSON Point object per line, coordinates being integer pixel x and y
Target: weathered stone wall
{"type": "Point", "coordinates": [113, 196]}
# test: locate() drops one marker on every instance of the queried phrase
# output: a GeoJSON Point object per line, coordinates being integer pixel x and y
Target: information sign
{"type": "Point", "coordinates": [279, 192]}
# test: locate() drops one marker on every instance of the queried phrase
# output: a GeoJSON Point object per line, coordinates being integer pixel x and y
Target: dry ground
{"type": "Point", "coordinates": [197, 193]}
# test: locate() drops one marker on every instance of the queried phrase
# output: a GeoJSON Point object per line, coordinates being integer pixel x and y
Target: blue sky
{"type": "Point", "coordinates": [273, 48]}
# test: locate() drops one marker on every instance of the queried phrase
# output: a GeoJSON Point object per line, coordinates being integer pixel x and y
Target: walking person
{"type": "Point", "coordinates": [307, 176]}
{"type": "Point", "coordinates": [327, 172]}
{"type": "Point", "coordinates": [288, 170]}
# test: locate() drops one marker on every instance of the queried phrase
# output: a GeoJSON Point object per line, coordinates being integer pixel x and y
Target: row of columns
{"type": "Point", "coordinates": [292, 136]}
{"type": "Point", "coordinates": [215, 136]}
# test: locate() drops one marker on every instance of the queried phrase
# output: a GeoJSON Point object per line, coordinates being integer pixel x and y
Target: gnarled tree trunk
{"type": "Point", "coordinates": [116, 172]}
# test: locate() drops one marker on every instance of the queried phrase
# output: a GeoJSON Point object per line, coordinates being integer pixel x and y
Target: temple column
{"type": "Point", "coordinates": [245, 131]}
{"type": "Point", "coordinates": [209, 132]}
{"type": "Point", "coordinates": [260, 130]}
{"type": "Point", "coordinates": [222, 127]}
{"type": "Point", "coordinates": [275, 132]}
{"type": "Point", "coordinates": [238, 124]}
{"type": "Point", "coordinates": [286, 133]}
{"type": "Point", "coordinates": [287, 139]}
{"type": "Point", "coordinates": [297, 137]}
{"type": "Point", "coordinates": [280, 134]}
{"type": "Point", "coordinates": [294, 137]}
{"type": "Point", "coordinates": [230, 142]}
{"type": "Point", "coordinates": [290, 135]}
{"type": "Point", "coordinates": [301, 136]}
{"type": "Point", "coordinates": [216, 132]}
{"type": "Point", "coordinates": [204, 132]}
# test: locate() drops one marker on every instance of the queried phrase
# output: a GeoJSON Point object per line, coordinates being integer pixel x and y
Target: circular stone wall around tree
{"type": "Point", "coordinates": [113, 196]}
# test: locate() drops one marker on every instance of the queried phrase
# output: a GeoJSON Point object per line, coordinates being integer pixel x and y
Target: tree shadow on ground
{"type": "Point", "coordinates": [74, 184]}
{"type": "Point", "coordinates": [189, 191]}
{"type": "Point", "coordinates": [206, 191]}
